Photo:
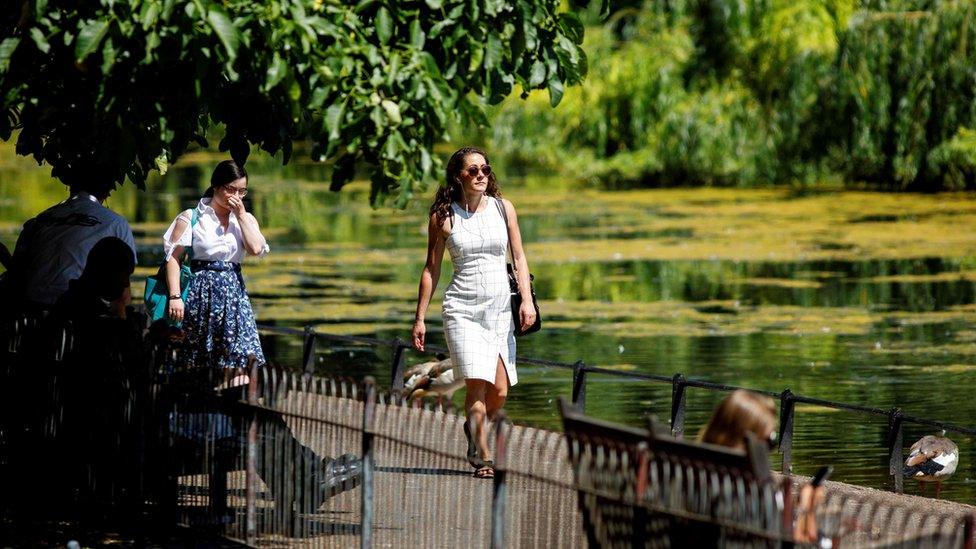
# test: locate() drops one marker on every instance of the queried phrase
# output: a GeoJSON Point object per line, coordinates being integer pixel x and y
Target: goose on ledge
{"type": "Point", "coordinates": [932, 459]}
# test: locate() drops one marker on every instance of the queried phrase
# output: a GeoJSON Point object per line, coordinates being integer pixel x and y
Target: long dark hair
{"type": "Point", "coordinates": [225, 173]}
{"type": "Point", "coordinates": [451, 191]}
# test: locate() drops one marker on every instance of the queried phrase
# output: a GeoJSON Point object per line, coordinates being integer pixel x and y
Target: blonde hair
{"type": "Point", "coordinates": [740, 413]}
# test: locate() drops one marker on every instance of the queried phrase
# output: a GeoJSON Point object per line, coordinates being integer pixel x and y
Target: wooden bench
{"type": "Point", "coordinates": [642, 487]}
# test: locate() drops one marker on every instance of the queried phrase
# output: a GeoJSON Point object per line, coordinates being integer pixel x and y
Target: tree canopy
{"type": "Point", "coordinates": [110, 91]}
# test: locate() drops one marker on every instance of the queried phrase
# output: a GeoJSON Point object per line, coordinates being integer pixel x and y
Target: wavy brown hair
{"type": "Point", "coordinates": [451, 191]}
{"type": "Point", "coordinates": [739, 413]}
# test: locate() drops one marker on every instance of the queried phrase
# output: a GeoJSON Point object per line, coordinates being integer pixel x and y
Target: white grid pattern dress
{"type": "Point", "coordinates": [477, 308]}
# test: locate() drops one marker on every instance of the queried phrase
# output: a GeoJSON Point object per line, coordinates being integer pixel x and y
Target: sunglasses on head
{"type": "Point", "coordinates": [473, 170]}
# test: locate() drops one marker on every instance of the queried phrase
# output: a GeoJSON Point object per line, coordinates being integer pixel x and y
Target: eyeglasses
{"type": "Point", "coordinates": [239, 191]}
{"type": "Point", "coordinates": [473, 170]}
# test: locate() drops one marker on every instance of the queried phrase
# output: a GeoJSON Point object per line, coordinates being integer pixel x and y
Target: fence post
{"type": "Point", "coordinates": [968, 528]}
{"type": "Point", "coordinates": [308, 351]}
{"type": "Point", "coordinates": [396, 369]}
{"type": "Point", "coordinates": [252, 459]}
{"type": "Point", "coordinates": [787, 408]}
{"type": "Point", "coordinates": [579, 385]}
{"type": "Point", "coordinates": [366, 507]}
{"type": "Point", "coordinates": [896, 466]}
{"type": "Point", "coordinates": [678, 384]}
{"type": "Point", "coordinates": [500, 493]}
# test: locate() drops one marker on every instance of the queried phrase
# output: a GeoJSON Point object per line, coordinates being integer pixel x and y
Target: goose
{"type": "Point", "coordinates": [932, 459]}
{"type": "Point", "coordinates": [433, 378]}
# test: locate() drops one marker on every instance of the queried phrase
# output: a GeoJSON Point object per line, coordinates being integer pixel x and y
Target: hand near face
{"type": "Point", "coordinates": [236, 204]}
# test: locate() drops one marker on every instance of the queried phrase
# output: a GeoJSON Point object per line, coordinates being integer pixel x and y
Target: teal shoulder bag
{"type": "Point", "coordinates": [156, 294]}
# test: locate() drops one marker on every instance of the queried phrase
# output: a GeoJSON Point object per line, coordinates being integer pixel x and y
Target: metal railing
{"type": "Point", "coordinates": [638, 489]}
{"type": "Point", "coordinates": [415, 488]}
{"type": "Point", "coordinates": [679, 385]}
{"type": "Point", "coordinates": [243, 454]}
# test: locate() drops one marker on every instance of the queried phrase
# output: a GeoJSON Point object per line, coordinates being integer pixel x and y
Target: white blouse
{"type": "Point", "coordinates": [210, 241]}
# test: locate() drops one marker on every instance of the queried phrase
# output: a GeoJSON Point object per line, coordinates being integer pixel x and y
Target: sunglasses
{"type": "Point", "coordinates": [473, 170]}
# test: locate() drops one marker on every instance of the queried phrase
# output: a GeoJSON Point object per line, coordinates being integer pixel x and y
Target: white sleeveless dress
{"type": "Point", "coordinates": [477, 307]}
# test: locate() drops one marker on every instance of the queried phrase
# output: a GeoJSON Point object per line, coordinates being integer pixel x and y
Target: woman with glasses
{"type": "Point", "coordinates": [221, 337]}
{"type": "Point", "coordinates": [471, 220]}
{"type": "Point", "coordinates": [218, 323]}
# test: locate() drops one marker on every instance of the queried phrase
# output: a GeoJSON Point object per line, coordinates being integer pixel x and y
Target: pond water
{"type": "Point", "coordinates": [859, 297]}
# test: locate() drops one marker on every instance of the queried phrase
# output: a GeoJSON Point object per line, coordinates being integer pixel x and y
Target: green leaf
{"type": "Point", "coordinates": [531, 35]}
{"type": "Point", "coordinates": [343, 172]}
{"type": "Point", "coordinates": [439, 27]}
{"type": "Point", "coordinates": [225, 30]}
{"type": "Point", "coordinates": [150, 13]}
{"type": "Point", "coordinates": [425, 162]}
{"type": "Point", "coordinates": [276, 72]}
{"type": "Point", "coordinates": [38, 36]}
{"type": "Point", "coordinates": [537, 74]}
{"type": "Point", "coordinates": [392, 111]}
{"type": "Point", "coordinates": [89, 37]}
{"type": "Point", "coordinates": [7, 48]}
{"type": "Point", "coordinates": [493, 7]}
{"type": "Point", "coordinates": [384, 25]}
{"type": "Point", "coordinates": [493, 51]}
{"type": "Point", "coordinates": [162, 163]}
{"type": "Point", "coordinates": [108, 55]}
{"type": "Point", "coordinates": [572, 26]}
{"type": "Point", "coordinates": [435, 4]}
{"type": "Point", "coordinates": [417, 36]}
{"type": "Point", "coordinates": [333, 117]}
{"type": "Point", "coordinates": [555, 90]}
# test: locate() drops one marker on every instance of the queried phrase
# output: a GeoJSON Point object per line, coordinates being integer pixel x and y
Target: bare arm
{"type": "Point", "coordinates": [527, 312]}
{"type": "Point", "coordinates": [436, 238]}
{"type": "Point", "coordinates": [254, 241]}
{"type": "Point", "coordinates": [174, 308]}
{"type": "Point", "coordinates": [518, 253]}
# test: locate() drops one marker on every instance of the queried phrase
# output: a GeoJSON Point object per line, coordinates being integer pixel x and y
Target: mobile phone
{"type": "Point", "coordinates": [822, 474]}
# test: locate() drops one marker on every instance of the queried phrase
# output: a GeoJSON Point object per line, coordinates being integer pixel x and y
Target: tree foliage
{"type": "Point", "coordinates": [766, 91]}
{"type": "Point", "coordinates": [113, 90]}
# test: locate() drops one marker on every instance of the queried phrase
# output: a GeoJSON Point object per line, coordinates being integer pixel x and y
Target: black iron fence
{"type": "Point", "coordinates": [251, 454]}
{"type": "Point", "coordinates": [679, 386]}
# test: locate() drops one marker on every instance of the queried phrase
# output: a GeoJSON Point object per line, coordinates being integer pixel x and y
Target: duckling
{"type": "Point", "coordinates": [932, 459]}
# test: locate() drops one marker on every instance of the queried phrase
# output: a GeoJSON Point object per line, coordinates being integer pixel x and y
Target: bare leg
{"type": "Point", "coordinates": [938, 488]}
{"type": "Point", "coordinates": [474, 406]}
{"type": "Point", "coordinates": [498, 392]}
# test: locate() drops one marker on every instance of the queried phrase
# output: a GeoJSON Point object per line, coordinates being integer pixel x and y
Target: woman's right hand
{"type": "Point", "coordinates": [175, 310]}
{"type": "Point", "coordinates": [419, 334]}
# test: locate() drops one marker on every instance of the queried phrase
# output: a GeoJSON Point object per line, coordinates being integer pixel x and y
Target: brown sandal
{"type": "Point", "coordinates": [486, 471]}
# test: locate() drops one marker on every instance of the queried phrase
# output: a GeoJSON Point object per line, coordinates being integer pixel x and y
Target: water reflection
{"type": "Point", "coordinates": [852, 297]}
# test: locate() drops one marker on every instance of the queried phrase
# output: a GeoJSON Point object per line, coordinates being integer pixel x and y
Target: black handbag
{"type": "Point", "coordinates": [513, 286]}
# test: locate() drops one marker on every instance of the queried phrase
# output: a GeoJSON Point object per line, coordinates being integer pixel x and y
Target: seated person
{"type": "Point", "coordinates": [81, 383]}
{"type": "Point", "coordinates": [744, 412]}
{"type": "Point", "coordinates": [53, 247]}
{"type": "Point", "coordinates": [102, 290]}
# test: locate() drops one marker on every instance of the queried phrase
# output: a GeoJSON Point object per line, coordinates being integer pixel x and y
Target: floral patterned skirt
{"type": "Point", "coordinates": [218, 324]}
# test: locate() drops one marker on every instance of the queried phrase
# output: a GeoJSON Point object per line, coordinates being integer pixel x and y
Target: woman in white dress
{"type": "Point", "coordinates": [466, 218]}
